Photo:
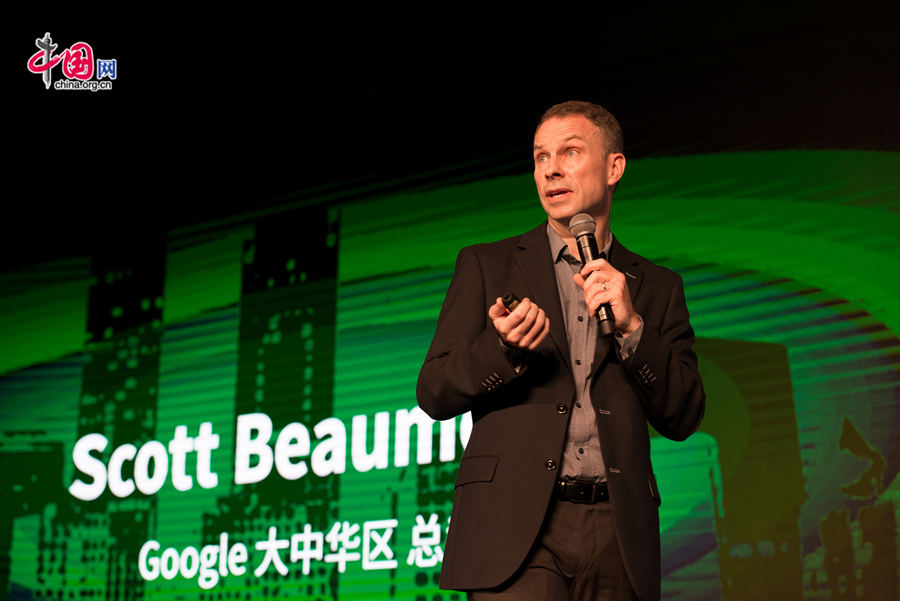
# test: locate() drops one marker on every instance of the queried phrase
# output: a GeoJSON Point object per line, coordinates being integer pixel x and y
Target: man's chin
{"type": "Point", "coordinates": [560, 223]}
{"type": "Point", "coordinates": [562, 216]}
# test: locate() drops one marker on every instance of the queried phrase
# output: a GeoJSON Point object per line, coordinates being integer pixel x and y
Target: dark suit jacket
{"type": "Point", "coordinates": [507, 473]}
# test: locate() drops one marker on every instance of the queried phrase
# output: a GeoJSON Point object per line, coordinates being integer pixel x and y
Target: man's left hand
{"type": "Point", "coordinates": [603, 283]}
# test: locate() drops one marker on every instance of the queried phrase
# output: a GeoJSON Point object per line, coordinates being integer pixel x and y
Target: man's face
{"type": "Point", "coordinates": [571, 169]}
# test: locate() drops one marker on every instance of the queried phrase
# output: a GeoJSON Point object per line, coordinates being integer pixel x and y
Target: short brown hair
{"type": "Point", "coordinates": [596, 114]}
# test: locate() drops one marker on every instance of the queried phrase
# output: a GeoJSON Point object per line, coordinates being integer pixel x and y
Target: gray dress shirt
{"type": "Point", "coordinates": [581, 458]}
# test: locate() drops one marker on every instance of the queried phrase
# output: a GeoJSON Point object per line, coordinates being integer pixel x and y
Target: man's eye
{"type": "Point", "coordinates": [571, 152]}
{"type": "Point", "coordinates": [541, 158]}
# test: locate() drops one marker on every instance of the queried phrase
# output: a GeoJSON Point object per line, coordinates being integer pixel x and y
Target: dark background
{"type": "Point", "coordinates": [218, 116]}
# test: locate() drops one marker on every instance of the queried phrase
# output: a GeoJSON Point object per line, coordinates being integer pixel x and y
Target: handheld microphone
{"type": "Point", "coordinates": [582, 226]}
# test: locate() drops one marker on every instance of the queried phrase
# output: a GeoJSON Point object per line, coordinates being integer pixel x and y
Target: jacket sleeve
{"type": "Point", "coordinates": [664, 366]}
{"type": "Point", "coordinates": [466, 360]}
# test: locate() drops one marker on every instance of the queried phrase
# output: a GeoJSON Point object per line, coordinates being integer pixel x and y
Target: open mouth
{"type": "Point", "coordinates": [556, 193]}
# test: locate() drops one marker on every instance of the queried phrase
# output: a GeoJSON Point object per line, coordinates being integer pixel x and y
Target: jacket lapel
{"type": "Point", "coordinates": [626, 262]}
{"type": "Point", "coordinates": [536, 265]}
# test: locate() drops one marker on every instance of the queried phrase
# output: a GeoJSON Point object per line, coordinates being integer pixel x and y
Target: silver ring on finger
{"type": "Point", "coordinates": [604, 286]}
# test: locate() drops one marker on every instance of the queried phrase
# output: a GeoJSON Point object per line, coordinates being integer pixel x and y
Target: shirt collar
{"type": "Point", "coordinates": [558, 246]}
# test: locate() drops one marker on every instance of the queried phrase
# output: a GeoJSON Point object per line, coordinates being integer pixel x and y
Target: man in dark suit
{"type": "Point", "coordinates": [555, 495]}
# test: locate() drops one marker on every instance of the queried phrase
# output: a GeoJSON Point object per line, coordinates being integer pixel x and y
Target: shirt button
{"type": "Point", "coordinates": [581, 451]}
{"type": "Point", "coordinates": [577, 361]}
{"type": "Point", "coordinates": [550, 465]}
{"type": "Point", "coordinates": [562, 408]}
{"type": "Point", "coordinates": [581, 318]}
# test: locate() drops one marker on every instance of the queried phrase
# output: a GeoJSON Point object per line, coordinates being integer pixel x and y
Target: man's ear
{"type": "Point", "coordinates": [615, 168]}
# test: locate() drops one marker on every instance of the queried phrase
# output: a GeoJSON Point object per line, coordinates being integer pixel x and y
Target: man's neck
{"type": "Point", "coordinates": [602, 234]}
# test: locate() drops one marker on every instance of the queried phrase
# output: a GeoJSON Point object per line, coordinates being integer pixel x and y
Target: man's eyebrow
{"type": "Point", "coordinates": [567, 139]}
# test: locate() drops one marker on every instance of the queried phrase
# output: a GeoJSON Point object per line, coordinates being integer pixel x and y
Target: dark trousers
{"type": "Point", "coordinates": [576, 559]}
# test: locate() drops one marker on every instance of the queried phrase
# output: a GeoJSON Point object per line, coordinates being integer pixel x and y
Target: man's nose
{"type": "Point", "coordinates": [552, 169]}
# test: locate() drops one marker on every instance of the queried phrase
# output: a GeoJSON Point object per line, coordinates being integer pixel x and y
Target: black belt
{"type": "Point", "coordinates": [578, 491]}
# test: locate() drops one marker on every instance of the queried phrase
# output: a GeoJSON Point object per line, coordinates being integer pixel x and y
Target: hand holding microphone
{"type": "Point", "coordinates": [605, 290]}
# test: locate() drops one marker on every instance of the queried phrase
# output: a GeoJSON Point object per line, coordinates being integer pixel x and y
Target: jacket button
{"type": "Point", "coordinates": [562, 408]}
{"type": "Point", "coordinates": [550, 465]}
